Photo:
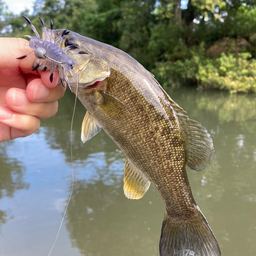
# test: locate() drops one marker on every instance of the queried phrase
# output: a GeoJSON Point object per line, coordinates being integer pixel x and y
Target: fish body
{"type": "Point", "coordinates": [156, 136]}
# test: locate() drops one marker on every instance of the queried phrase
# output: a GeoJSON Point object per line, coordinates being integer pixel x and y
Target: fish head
{"type": "Point", "coordinates": [89, 69]}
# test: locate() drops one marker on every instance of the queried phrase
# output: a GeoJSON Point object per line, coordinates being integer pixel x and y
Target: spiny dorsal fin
{"type": "Point", "coordinates": [198, 143]}
{"type": "Point", "coordinates": [89, 127]}
{"type": "Point", "coordinates": [136, 183]}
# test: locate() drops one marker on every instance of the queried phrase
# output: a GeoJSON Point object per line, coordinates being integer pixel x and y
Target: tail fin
{"type": "Point", "coordinates": [190, 237]}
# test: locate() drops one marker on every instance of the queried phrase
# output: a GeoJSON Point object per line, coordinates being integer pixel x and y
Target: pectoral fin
{"type": "Point", "coordinates": [89, 127]}
{"type": "Point", "coordinates": [136, 183]}
{"type": "Point", "coordinates": [198, 143]}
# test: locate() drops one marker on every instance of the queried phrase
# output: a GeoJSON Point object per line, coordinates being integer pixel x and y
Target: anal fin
{"type": "Point", "coordinates": [136, 183]}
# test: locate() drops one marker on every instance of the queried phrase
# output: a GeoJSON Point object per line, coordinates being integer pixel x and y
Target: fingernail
{"type": "Point", "coordinates": [40, 92]}
{"type": "Point", "coordinates": [5, 113]}
{"type": "Point", "coordinates": [19, 98]}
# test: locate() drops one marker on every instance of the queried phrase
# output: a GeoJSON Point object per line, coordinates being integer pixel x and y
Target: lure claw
{"type": "Point", "coordinates": [62, 82]}
{"type": "Point", "coordinates": [36, 67]}
{"type": "Point", "coordinates": [22, 57]}
{"type": "Point", "coordinates": [51, 77]}
{"type": "Point", "coordinates": [49, 54]}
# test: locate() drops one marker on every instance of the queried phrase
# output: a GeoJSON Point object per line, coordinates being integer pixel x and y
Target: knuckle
{"type": "Point", "coordinates": [55, 108]}
{"type": "Point", "coordinates": [51, 110]}
{"type": "Point", "coordinates": [37, 125]}
{"type": "Point", "coordinates": [32, 127]}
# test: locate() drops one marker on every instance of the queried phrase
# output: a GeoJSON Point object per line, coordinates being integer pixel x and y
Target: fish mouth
{"type": "Point", "coordinates": [93, 83]}
{"type": "Point", "coordinates": [96, 84]}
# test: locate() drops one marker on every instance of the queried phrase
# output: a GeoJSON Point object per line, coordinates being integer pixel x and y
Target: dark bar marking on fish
{"type": "Point", "coordinates": [44, 69]}
{"type": "Point", "coordinates": [36, 67]}
{"type": "Point", "coordinates": [83, 52]}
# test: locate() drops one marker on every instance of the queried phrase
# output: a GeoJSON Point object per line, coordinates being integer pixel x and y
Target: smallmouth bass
{"type": "Point", "coordinates": [155, 134]}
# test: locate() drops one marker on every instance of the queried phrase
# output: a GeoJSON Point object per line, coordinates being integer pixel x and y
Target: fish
{"type": "Point", "coordinates": [154, 132]}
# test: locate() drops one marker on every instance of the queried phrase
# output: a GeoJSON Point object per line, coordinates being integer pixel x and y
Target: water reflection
{"type": "Point", "coordinates": [11, 178]}
{"type": "Point", "coordinates": [97, 221]}
{"type": "Point", "coordinates": [226, 187]}
{"type": "Point", "coordinates": [100, 220]}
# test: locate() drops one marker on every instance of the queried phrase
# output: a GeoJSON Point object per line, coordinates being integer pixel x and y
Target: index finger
{"type": "Point", "coordinates": [11, 49]}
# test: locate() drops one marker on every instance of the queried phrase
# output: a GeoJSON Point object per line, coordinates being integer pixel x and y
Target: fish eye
{"type": "Point", "coordinates": [71, 43]}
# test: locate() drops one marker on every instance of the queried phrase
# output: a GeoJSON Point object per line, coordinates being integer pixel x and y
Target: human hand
{"type": "Point", "coordinates": [25, 96]}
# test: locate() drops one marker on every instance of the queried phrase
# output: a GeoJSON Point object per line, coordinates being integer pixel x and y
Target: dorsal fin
{"type": "Point", "coordinates": [136, 183]}
{"type": "Point", "coordinates": [89, 127]}
{"type": "Point", "coordinates": [198, 143]}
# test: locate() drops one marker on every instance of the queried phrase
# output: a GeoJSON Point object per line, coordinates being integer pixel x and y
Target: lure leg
{"type": "Point", "coordinates": [44, 35]}
{"type": "Point", "coordinates": [61, 77]}
{"type": "Point", "coordinates": [31, 25]}
{"type": "Point", "coordinates": [52, 72]}
{"type": "Point", "coordinates": [51, 39]}
{"type": "Point", "coordinates": [64, 33]}
{"type": "Point", "coordinates": [24, 56]}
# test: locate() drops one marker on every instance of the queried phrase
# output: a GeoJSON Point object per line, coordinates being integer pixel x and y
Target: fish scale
{"type": "Point", "coordinates": [156, 136]}
{"type": "Point", "coordinates": [167, 143]}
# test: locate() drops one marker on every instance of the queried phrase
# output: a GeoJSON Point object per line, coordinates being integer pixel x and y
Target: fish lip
{"type": "Point", "coordinates": [93, 82]}
{"type": "Point", "coordinates": [85, 85]}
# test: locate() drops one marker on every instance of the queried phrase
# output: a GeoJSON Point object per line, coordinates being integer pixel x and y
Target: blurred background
{"type": "Point", "coordinates": [36, 179]}
{"type": "Point", "coordinates": [190, 46]}
{"type": "Point", "coordinates": [205, 43]}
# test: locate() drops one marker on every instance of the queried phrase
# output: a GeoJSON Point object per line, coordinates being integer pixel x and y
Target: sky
{"type": "Point", "coordinates": [17, 6]}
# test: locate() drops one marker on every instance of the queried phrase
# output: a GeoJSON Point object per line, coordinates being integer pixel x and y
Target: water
{"type": "Point", "coordinates": [35, 181]}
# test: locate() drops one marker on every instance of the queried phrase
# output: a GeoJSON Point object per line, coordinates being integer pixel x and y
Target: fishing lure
{"type": "Point", "coordinates": [48, 53]}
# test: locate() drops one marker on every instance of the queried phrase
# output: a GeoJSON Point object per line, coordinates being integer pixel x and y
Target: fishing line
{"type": "Point", "coordinates": [72, 173]}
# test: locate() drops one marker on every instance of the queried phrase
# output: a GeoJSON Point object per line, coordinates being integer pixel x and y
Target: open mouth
{"type": "Point", "coordinates": [93, 85]}
{"type": "Point", "coordinates": [97, 84]}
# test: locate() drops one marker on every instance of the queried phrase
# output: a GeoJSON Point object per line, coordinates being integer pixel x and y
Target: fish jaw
{"type": "Point", "coordinates": [89, 68]}
{"type": "Point", "coordinates": [89, 72]}
{"type": "Point", "coordinates": [94, 70]}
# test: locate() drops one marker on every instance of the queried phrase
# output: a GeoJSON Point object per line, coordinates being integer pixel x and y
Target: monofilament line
{"type": "Point", "coordinates": [72, 173]}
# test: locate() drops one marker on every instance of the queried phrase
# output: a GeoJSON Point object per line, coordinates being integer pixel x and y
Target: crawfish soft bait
{"type": "Point", "coordinates": [48, 53]}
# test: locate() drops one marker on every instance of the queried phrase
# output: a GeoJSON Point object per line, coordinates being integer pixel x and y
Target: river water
{"type": "Point", "coordinates": [36, 180]}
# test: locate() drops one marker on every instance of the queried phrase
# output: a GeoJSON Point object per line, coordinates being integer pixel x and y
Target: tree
{"type": "Point", "coordinates": [4, 18]}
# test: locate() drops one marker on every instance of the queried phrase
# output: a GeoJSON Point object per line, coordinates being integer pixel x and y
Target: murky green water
{"type": "Point", "coordinates": [35, 182]}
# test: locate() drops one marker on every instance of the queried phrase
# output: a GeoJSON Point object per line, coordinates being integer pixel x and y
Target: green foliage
{"type": "Point", "coordinates": [5, 17]}
{"type": "Point", "coordinates": [209, 44]}
{"type": "Point", "coordinates": [227, 72]}
{"type": "Point", "coordinates": [234, 73]}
